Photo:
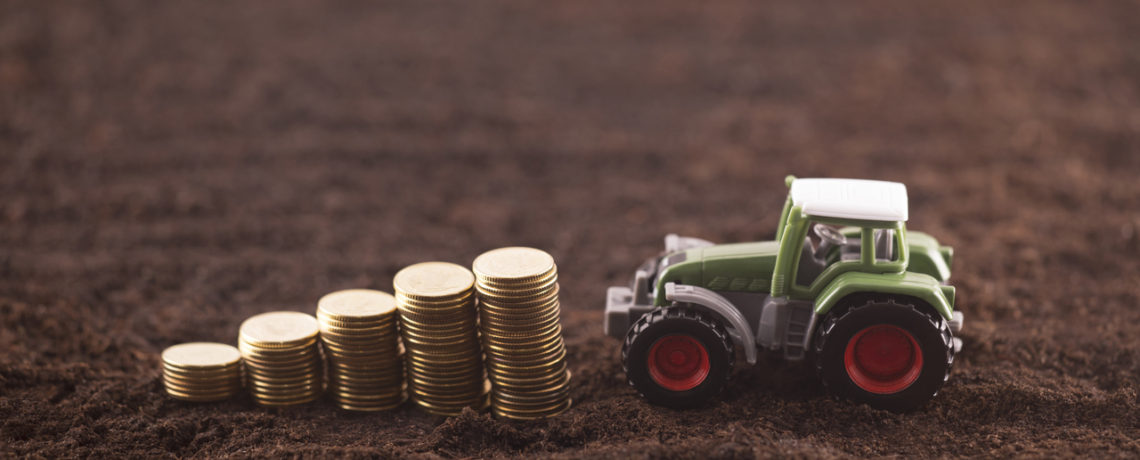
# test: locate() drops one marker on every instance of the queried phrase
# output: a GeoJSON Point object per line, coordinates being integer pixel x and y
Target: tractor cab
{"type": "Point", "coordinates": [833, 226]}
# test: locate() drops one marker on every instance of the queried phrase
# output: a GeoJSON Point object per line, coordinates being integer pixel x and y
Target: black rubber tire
{"type": "Point", "coordinates": [673, 321]}
{"type": "Point", "coordinates": [930, 331]}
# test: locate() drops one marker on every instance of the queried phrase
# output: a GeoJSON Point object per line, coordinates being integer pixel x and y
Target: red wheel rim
{"type": "Point", "coordinates": [883, 359]}
{"type": "Point", "coordinates": [678, 362]}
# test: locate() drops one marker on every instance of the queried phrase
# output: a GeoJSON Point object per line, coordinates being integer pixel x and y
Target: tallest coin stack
{"type": "Point", "coordinates": [522, 336]}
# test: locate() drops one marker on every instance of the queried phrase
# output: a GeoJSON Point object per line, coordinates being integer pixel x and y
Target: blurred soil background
{"type": "Point", "coordinates": [168, 169]}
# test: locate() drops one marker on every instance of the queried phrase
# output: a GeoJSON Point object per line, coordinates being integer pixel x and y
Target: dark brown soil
{"type": "Point", "coordinates": [168, 169]}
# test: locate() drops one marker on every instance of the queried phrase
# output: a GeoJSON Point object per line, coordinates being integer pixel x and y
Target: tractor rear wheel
{"type": "Point", "coordinates": [887, 353]}
{"type": "Point", "coordinates": [677, 357]}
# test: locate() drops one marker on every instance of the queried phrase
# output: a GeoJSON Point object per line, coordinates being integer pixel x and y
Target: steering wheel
{"type": "Point", "coordinates": [830, 235]}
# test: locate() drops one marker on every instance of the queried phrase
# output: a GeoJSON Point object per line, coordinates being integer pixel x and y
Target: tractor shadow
{"type": "Point", "coordinates": [772, 378]}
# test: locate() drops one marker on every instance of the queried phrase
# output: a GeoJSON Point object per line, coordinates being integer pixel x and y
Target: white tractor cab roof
{"type": "Point", "coordinates": [851, 199]}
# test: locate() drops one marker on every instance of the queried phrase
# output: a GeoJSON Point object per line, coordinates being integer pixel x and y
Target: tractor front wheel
{"type": "Point", "coordinates": [677, 357]}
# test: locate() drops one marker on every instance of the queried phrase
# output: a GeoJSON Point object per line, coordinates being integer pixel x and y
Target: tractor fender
{"type": "Point", "coordinates": [736, 324]}
{"type": "Point", "coordinates": [918, 285]}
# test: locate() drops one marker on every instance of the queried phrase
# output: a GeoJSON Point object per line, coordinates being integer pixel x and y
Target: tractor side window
{"type": "Point", "coordinates": [886, 245]}
{"type": "Point", "coordinates": [822, 247]}
{"type": "Point", "coordinates": [813, 239]}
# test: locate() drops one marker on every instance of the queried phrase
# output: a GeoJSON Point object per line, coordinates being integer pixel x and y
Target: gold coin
{"type": "Point", "coordinates": [386, 365]}
{"type": "Point", "coordinates": [439, 331]}
{"type": "Point", "coordinates": [428, 377]}
{"type": "Point", "coordinates": [525, 368]}
{"type": "Point", "coordinates": [534, 290]}
{"type": "Point", "coordinates": [468, 390]}
{"type": "Point", "coordinates": [280, 329]}
{"type": "Point", "coordinates": [364, 371]}
{"type": "Point", "coordinates": [461, 359]}
{"type": "Point", "coordinates": [494, 312]}
{"type": "Point", "coordinates": [312, 359]}
{"type": "Point", "coordinates": [518, 316]}
{"type": "Point", "coordinates": [532, 397]}
{"type": "Point", "coordinates": [308, 395]}
{"type": "Point", "coordinates": [513, 264]}
{"type": "Point", "coordinates": [554, 354]}
{"type": "Point", "coordinates": [388, 377]}
{"type": "Point", "coordinates": [522, 345]}
{"type": "Point", "coordinates": [465, 313]}
{"type": "Point", "coordinates": [378, 333]}
{"type": "Point", "coordinates": [537, 327]}
{"type": "Point", "coordinates": [391, 356]}
{"type": "Point", "coordinates": [428, 381]}
{"type": "Point", "coordinates": [371, 400]}
{"type": "Point", "coordinates": [534, 277]}
{"type": "Point", "coordinates": [404, 302]}
{"type": "Point", "coordinates": [194, 382]}
{"type": "Point", "coordinates": [286, 381]}
{"type": "Point", "coordinates": [288, 394]}
{"type": "Point", "coordinates": [287, 402]}
{"type": "Point", "coordinates": [356, 305]}
{"type": "Point", "coordinates": [433, 280]}
{"type": "Point", "coordinates": [202, 374]}
{"type": "Point", "coordinates": [450, 409]}
{"type": "Point", "coordinates": [518, 300]}
{"type": "Point", "coordinates": [364, 355]}
{"type": "Point", "coordinates": [372, 330]}
{"type": "Point", "coordinates": [424, 348]}
{"type": "Point", "coordinates": [367, 389]}
{"type": "Point", "coordinates": [368, 408]}
{"type": "Point", "coordinates": [193, 387]}
{"type": "Point", "coordinates": [431, 325]}
{"type": "Point", "coordinates": [202, 389]}
{"type": "Point", "coordinates": [248, 350]}
{"type": "Point", "coordinates": [313, 367]}
{"type": "Point", "coordinates": [506, 412]}
{"type": "Point", "coordinates": [368, 393]}
{"type": "Point", "coordinates": [377, 347]}
{"type": "Point", "coordinates": [367, 372]}
{"type": "Point", "coordinates": [201, 356]}
{"type": "Point", "coordinates": [358, 350]}
{"type": "Point", "coordinates": [201, 397]}
{"type": "Point", "coordinates": [282, 363]}
{"type": "Point", "coordinates": [517, 381]}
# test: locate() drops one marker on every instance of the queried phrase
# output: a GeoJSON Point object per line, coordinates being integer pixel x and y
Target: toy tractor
{"type": "Point", "coordinates": [844, 284]}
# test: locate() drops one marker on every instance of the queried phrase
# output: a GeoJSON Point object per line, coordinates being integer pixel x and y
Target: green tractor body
{"type": "Point", "coordinates": [840, 245]}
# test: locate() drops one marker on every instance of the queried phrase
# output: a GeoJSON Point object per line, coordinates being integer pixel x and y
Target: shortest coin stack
{"type": "Point", "coordinates": [362, 343]}
{"type": "Point", "coordinates": [282, 359]}
{"type": "Point", "coordinates": [201, 371]}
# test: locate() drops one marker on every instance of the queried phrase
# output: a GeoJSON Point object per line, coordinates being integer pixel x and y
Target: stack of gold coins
{"type": "Point", "coordinates": [362, 344]}
{"type": "Point", "coordinates": [522, 336]}
{"type": "Point", "coordinates": [201, 371]}
{"type": "Point", "coordinates": [436, 301]}
{"type": "Point", "coordinates": [282, 359]}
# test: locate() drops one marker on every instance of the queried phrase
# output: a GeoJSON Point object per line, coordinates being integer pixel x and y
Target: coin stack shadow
{"type": "Point", "coordinates": [201, 371]}
{"type": "Point", "coordinates": [282, 358]}
{"type": "Point", "coordinates": [362, 344]}
{"type": "Point", "coordinates": [436, 303]}
{"type": "Point", "coordinates": [521, 333]}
